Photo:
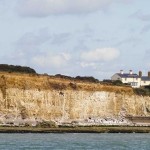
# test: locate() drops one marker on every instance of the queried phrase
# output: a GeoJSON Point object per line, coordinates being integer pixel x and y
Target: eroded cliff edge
{"type": "Point", "coordinates": [33, 98]}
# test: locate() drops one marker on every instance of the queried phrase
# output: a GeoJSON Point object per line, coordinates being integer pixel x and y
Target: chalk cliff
{"type": "Point", "coordinates": [31, 98]}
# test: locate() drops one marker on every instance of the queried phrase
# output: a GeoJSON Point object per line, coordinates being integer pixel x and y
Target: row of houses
{"type": "Point", "coordinates": [135, 80]}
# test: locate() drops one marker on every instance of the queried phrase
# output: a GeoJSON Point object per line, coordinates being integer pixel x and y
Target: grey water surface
{"type": "Point", "coordinates": [75, 141]}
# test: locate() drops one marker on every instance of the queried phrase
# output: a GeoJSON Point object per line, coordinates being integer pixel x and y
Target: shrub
{"type": "Point", "coordinates": [118, 83]}
{"type": "Point", "coordinates": [12, 68]}
{"type": "Point", "coordinates": [63, 76]}
{"type": "Point", "coordinates": [142, 91]}
{"type": "Point", "coordinates": [107, 81]}
{"type": "Point", "coordinates": [88, 79]}
{"type": "Point", "coordinates": [147, 87]}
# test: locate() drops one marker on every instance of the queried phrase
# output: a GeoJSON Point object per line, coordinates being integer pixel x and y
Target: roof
{"type": "Point", "coordinates": [127, 75]}
{"type": "Point", "coordinates": [145, 78]}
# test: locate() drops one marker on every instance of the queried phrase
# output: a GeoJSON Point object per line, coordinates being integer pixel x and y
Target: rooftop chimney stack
{"type": "Point", "coordinates": [140, 74]}
{"type": "Point", "coordinates": [121, 71]}
{"type": "Point", "coordinates": [149, 74]}
{"type": "Point", "coordinates": [130, 72]}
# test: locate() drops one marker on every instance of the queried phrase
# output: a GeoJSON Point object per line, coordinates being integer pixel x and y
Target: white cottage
{"type": "Point", "coordinates": [133, 79]}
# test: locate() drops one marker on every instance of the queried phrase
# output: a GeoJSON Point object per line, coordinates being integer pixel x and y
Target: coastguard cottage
{"type": "Point", "coordinates": [135, 80]}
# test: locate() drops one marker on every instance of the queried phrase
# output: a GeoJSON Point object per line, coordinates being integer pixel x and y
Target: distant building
{"type": "Point", "coordinates": [131, 78]}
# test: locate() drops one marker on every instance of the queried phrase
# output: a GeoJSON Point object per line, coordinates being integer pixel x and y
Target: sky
{"type": "Point", "coordinates": [76, 37]}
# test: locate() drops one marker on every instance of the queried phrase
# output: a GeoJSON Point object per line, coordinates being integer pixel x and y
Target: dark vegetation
{"type": "Point", "coordinates": [79, 78]}
{"type": "Point", "coordinates": [144, 91]}
{"type": "Point", "coordinates": [20, 69]}
{"type": "Point", "coordinates": [64, 76]}
{"type": "Point", "coordinates": [117, 83]}
{"type": "Point", "coordinates": [89, 79]}
{"type": "Point", "coordinates": [73, 86]}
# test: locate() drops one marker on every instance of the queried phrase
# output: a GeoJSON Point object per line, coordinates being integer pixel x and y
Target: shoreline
{"type": "Point", "coordinates": [100, 129]}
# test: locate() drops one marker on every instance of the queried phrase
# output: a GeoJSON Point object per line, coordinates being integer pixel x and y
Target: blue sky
{"type": "Point", "coordinates": [76, 37]}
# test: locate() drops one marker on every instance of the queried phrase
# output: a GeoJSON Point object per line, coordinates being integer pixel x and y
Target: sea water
{"type": "Point", "coordinates": [75, 141]}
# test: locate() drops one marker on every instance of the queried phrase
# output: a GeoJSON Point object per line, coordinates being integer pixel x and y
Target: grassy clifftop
{"type": "Point", "coordinates": [46, 82]}
{"type": "Point", "coordinates": [26, 78]}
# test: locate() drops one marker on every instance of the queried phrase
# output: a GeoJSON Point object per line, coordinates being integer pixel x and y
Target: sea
{"type": "Point", "coordinates": [75, 141]}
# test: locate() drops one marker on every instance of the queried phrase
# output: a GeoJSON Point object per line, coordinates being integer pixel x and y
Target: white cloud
{"type": "Point", "coordinates": [100, 54]}
{"type": "Point", "coordinates": [90, 64]}
{"type": "Point", "coordinates": [51, 60]}
{"type": "Point", "coordinates": [41, 8]}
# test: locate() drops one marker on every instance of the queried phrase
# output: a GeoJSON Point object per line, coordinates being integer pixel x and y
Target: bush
{"type": "Point", "coordinates": [88, 79]}
{"type": "Point", "coordinates": [147, 87]}
{"type": "Point", "coordinates": [142, 91]}
{"type": "Point", "coordinates": [85, 78]}
{"type": "Point", "coordinates": [12, 68]}
{"type": "Point", "coordinates": [118, 83]}
{"type": "Point", "coordinates": [107, 81]}
{"type": "Point", "coordinates": [63, 76]}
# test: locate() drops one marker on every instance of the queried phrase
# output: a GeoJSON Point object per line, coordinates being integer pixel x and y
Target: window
{"type": "Point", "coordinates": [134, 83]}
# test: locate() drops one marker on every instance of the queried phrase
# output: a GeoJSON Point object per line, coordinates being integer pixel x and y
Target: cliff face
{"type": "Point", "coordinates": [31, 98]}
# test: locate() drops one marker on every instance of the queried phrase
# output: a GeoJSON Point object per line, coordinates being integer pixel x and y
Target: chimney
{"type": "Point", "coordinates": [149, 74]}
{"type": "Point", "coordinates": [130, 72]}
{"type": "Point", "coordinates": [140, 74]}
{"type": "Point", "coordinates": [121, 71]}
